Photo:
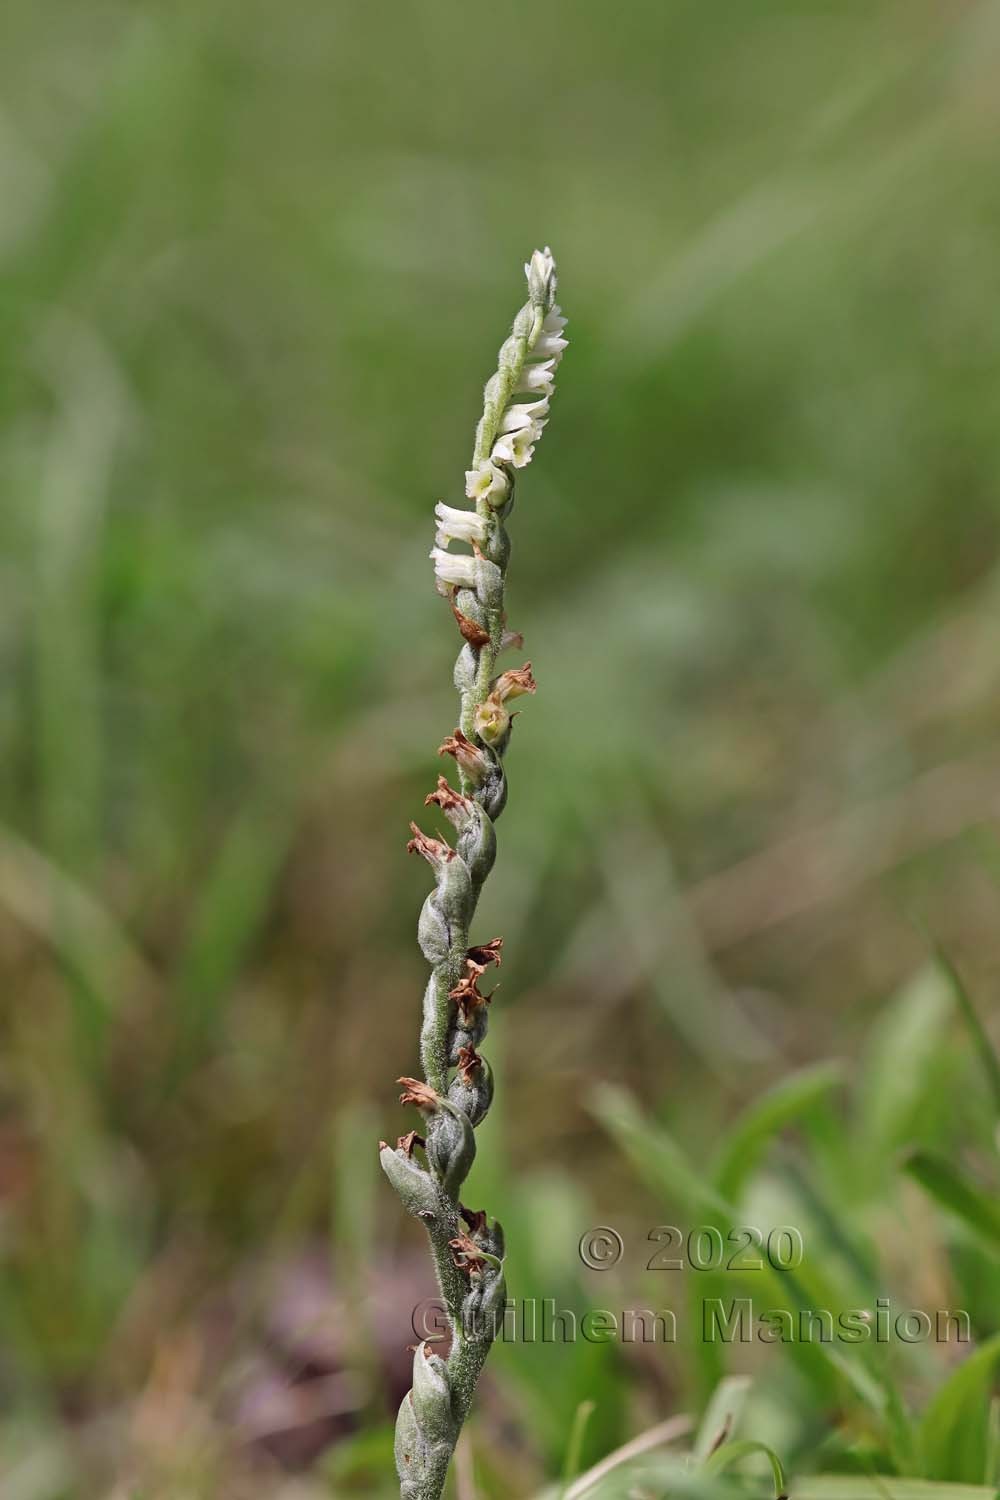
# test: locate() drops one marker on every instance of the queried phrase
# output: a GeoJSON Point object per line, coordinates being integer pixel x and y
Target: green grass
{"type": "Point", "coordinates": [251, 267]}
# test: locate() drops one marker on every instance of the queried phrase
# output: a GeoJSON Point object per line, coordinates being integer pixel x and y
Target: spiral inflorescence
{"type": "Point", "coordinates": [428, 1170]}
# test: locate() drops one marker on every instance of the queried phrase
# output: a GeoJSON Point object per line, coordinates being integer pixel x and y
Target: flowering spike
{"type": "Point", "coordinates": [457, 1088]}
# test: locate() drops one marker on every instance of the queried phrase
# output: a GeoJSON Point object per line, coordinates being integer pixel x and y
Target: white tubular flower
{"type": "Point", "coordinates": [532, 414]}
{"type": "Point", "coordinates": [454, 568]}
{"type": "Point", "coordinates": [550, 346]}
{"type": "Point", "coordinates": [550, 342]}
{"type": "Point", "coordinates": [516, 448]}
{"type": "Point", "coordinates": [486, 483]}
{"type": "Point", "coordinates": [457, 525]}
{"type": "Point", "coordinates": [538, 378]}
{"type": "Point", "coordinates": [540, 271]}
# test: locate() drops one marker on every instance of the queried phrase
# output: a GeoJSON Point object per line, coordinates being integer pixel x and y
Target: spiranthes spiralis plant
{"type": "Point", "coordinates": [455, 1093]}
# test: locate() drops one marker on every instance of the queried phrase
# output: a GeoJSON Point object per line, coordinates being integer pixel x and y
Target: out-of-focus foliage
{"type": "Point", "coordinates": [254, 263]}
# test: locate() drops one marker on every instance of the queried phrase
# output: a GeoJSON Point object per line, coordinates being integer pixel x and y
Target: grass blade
{"type": "Point", "coordinates": [953, 1436]}
{"type": "Point", "coordinates": [981, 1042]}
{"type": "Point", "coordinates": [950, 1187]}
{"type": "Point", "coordinates": [733, 1453]}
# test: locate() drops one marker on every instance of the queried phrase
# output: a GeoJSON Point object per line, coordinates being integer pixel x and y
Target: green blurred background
{"type": "Point", "coordinates": [255, 263]}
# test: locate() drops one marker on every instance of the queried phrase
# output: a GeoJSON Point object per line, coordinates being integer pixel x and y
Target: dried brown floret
{"type": "Point", "coordinates": [487, 953]}
{"type": "Point", "coordinates": [466, 1253]}
{"type": "Point", "coordinates": [419, 1093]}
{"type": "Point", "coordinates": [471, 631]}
{"type": "Point", "coordinates": [469, 1064]}
{"type": "Point", "coordinates": [435, 851]}
{"type": "Point", "coordinates": [515, 682]}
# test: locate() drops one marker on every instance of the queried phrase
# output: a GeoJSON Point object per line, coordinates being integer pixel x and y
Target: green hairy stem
{"type": "Point", "coordinates": [454, 1095]}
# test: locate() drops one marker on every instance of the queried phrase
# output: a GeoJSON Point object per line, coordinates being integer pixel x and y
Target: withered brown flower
{"type": "Point", "coordinates": [419, 1093]}
{"type": "Point", "coordinates": [469, 1064]}
{"type": "Point", "coordinates": [447, 799]}
{"type": "Point", "coordinates": [471, 759]}
{"type": "Point", "coordinates": [471, 631]}
{"type": "Point", "coordinates": [487, 953]}
{"type": "Point", "coordinates": [467, 994]}
{"type": "Point", "coordinates": [515, 682]}
{"type": "Point", "coordinates": [475, 1218]}
{"type": "Point", "coordinates": [409, 1141]}
{"type": "Point", "coordinates": [435, 851]}
{"type": "Point", "coordinates": [466, 1253]}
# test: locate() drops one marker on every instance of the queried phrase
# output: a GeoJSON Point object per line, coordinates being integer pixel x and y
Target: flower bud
{"type": "Point", "coordinates": [451, 1146]}
{"type": "Point", "coordinates": [410, 1450]}
{"type": "Point", "coordinates": [541, 273]}
{"type": "Point", "coordinates": [471, 1089]}
{"type": "Point", "coordinates": [417, 1190]}
{"type": "Point", "coordinates": [431, 1397]}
